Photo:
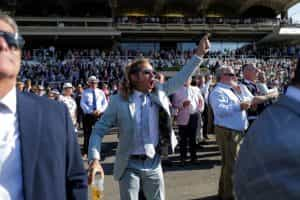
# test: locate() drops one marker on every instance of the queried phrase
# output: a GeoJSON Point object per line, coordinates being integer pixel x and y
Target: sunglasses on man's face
{"type": "Point", "coordinates": [13, 39]}
{"type": "Point", "coordinates": [229, 74]}
{"type": "Point", "coordinates": [148, 72]}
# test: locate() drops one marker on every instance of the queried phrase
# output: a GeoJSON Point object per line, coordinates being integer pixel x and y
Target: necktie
{"type": "Point", "coordinates": [148, 145]}
{"type": "Point", "coordinates": [94, 100]}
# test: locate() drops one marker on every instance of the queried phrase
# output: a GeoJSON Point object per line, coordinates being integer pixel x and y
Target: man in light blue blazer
{"type": "Point", "coordinates": [141, 111]}
{"type": "Point", "coordinates": [269, 159]}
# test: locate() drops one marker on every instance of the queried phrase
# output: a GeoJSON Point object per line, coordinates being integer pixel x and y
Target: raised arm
{"type": "Point", "coordinates": [178, 80]}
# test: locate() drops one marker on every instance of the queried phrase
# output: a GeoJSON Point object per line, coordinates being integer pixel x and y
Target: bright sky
{"type": "Point", "coordinates": [294, 12]}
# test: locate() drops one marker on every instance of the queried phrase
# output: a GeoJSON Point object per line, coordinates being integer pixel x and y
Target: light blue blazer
{"type": "Point", "coordinates": [121, 113]}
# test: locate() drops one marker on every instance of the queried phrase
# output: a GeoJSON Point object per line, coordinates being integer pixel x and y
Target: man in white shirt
{"type": "Point", "coordinates": [93, 103]}
{"type": "Point", "coordinates": [67, 99]}
{"type": "Point", "coordinates": [269, 159]}
{"type": "Point", "coordinates": [189, 102]}
{"type": "Point", "coordinates": [230, 120]}
{"type": "Point", "coordinates": [39, 153]}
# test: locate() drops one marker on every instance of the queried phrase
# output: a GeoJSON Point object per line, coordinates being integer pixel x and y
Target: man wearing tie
{"type": "Point", "coordinates": [250, 76]}
{"type": "Point", "coordinates": [269, 159]}
{"type": "Point", "coordinates": [142, 113]}
{"type": "Point", "coordinates": [93, 103]}
{"type": "Point", "coordinates": [39, 153]}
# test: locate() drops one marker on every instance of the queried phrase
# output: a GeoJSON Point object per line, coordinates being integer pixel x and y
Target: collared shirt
{"type": "Point", "coordinates": [153, 123]}
{"type": "Point", "coordinates": [205, 90]}
{"type": "Point", "coordinates": [193, 94]}
{"type": "Point", "coordinates": [293, 92]}
{"type": "Point", "coordinates": [226, 108]}
{"type": "Point", "coordinates": [71, 105]}
{"type": "Point", "coordinates": [11, 185]}
{"type": "Point", "coordinates": [86, 102]}
{"type": "Point", "coordinates": [244, 94]}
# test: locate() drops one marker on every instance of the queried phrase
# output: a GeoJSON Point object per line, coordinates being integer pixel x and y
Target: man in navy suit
{"type": "Point", "coordinates": [39, 153]}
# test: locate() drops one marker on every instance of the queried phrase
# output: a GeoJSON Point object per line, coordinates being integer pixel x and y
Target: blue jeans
{"type": "Point", "coordinates": [148, 174]}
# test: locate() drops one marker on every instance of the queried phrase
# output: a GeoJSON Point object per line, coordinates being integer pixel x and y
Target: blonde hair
{"type": "Point", "coordinates": [10, 21]}
{"type": "Point", "coordinates": [127, 85]}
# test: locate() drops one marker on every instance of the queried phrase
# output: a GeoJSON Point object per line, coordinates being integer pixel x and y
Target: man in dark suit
{"type": "Point", "coordinates": [269, 159]}
{"type": "Point", "coordinates": [39, 153]}
{"type": "Point", "coordinates": [249, 80]}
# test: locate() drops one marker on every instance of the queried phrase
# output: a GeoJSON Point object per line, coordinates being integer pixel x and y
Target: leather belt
{"type": "Point", "coordinates": [139, 157]}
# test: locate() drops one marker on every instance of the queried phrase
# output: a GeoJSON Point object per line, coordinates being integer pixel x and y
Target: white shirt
{"type": "Point", "coordinates": [71, 105]}
{"type": "Point", "coordinates": [194, 95]}
{"type": "Point", "coordinates": [226, 108]}
{"type": "Point", "coordinates": [153, 123]}
{"type": "Point", "coordinates": [11, 182]}
{"type": "Point", "coordinates": [86, 102]}
{"type": "Point", "coordinates": [293, 92]}
{"type": "Point", "coordinates": [205, 90]}
{"type": "Point", "coordinates": [191, 93]}
{"type": "Point", "coordinates": [244, 94]}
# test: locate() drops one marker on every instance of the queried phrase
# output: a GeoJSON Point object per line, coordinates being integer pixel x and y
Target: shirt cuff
{"type": "Point", "coordinates": [94, 155]}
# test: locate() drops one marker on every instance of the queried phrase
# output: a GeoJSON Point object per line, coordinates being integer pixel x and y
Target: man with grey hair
{"type": "Point", "coordinates": [250, 72]}
{"type": "Point", "coordinates": [269, 160]}
{"type": "Point", "coordinates": [39, 154]}
{"type": "Point", "coordinates": [230, 120]}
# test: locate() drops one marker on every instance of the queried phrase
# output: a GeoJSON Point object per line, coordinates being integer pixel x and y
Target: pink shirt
{"type": "Point", "coordinates": [191, 93]}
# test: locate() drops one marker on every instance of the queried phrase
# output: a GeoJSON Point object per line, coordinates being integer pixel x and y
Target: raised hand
{"type": "Point", "coordinates": [203, 46]}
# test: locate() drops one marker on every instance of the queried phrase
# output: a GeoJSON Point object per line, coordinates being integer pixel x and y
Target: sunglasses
{"type": "Point", "coordinates": [148, 72]}
{"type": "Point", "coordinates": [13, 39]}
{"type": "Point", "coordinates": [229, 74]}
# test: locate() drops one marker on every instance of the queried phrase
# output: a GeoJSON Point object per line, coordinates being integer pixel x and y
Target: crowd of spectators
{"type": "Point", "coordinates": [197, 20]}
{"type": "Point", "coordinates": [53, 67]}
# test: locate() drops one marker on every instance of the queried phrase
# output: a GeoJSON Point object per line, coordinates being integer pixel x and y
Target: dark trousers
{"type": "Point", "coordinates": [187, 134]}
{"type": "Point", "coordinates": [88, 122]}
{"type": "Point", "coordinates": [205, 121]}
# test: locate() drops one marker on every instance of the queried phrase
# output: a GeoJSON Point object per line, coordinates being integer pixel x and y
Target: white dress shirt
{"type": "Point", "coordinates": [11, 182]}
{"type": "Point", "coordinates": [244, 94]}
{"type": "Point", "coordinates": [153, 123]}
{"type": "Point", "coordinates": [71, 105]}
{"type": "Point", "coordinates": [86, 102]}
{"type": "Point", "coordinates": [226, 108]}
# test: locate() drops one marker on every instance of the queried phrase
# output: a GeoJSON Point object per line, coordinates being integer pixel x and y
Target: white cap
{"type": "Point", "coordinates": [67, 85]}
{"type": "Point", "coordinates": [93, 79]}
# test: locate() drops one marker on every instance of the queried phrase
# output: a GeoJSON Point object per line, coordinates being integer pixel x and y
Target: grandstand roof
{"type": "Point", "coordinates": [225, 8]}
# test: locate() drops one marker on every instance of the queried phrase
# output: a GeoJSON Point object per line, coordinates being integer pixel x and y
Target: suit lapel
{"type": "Point", "coordinates": [29, 116]}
